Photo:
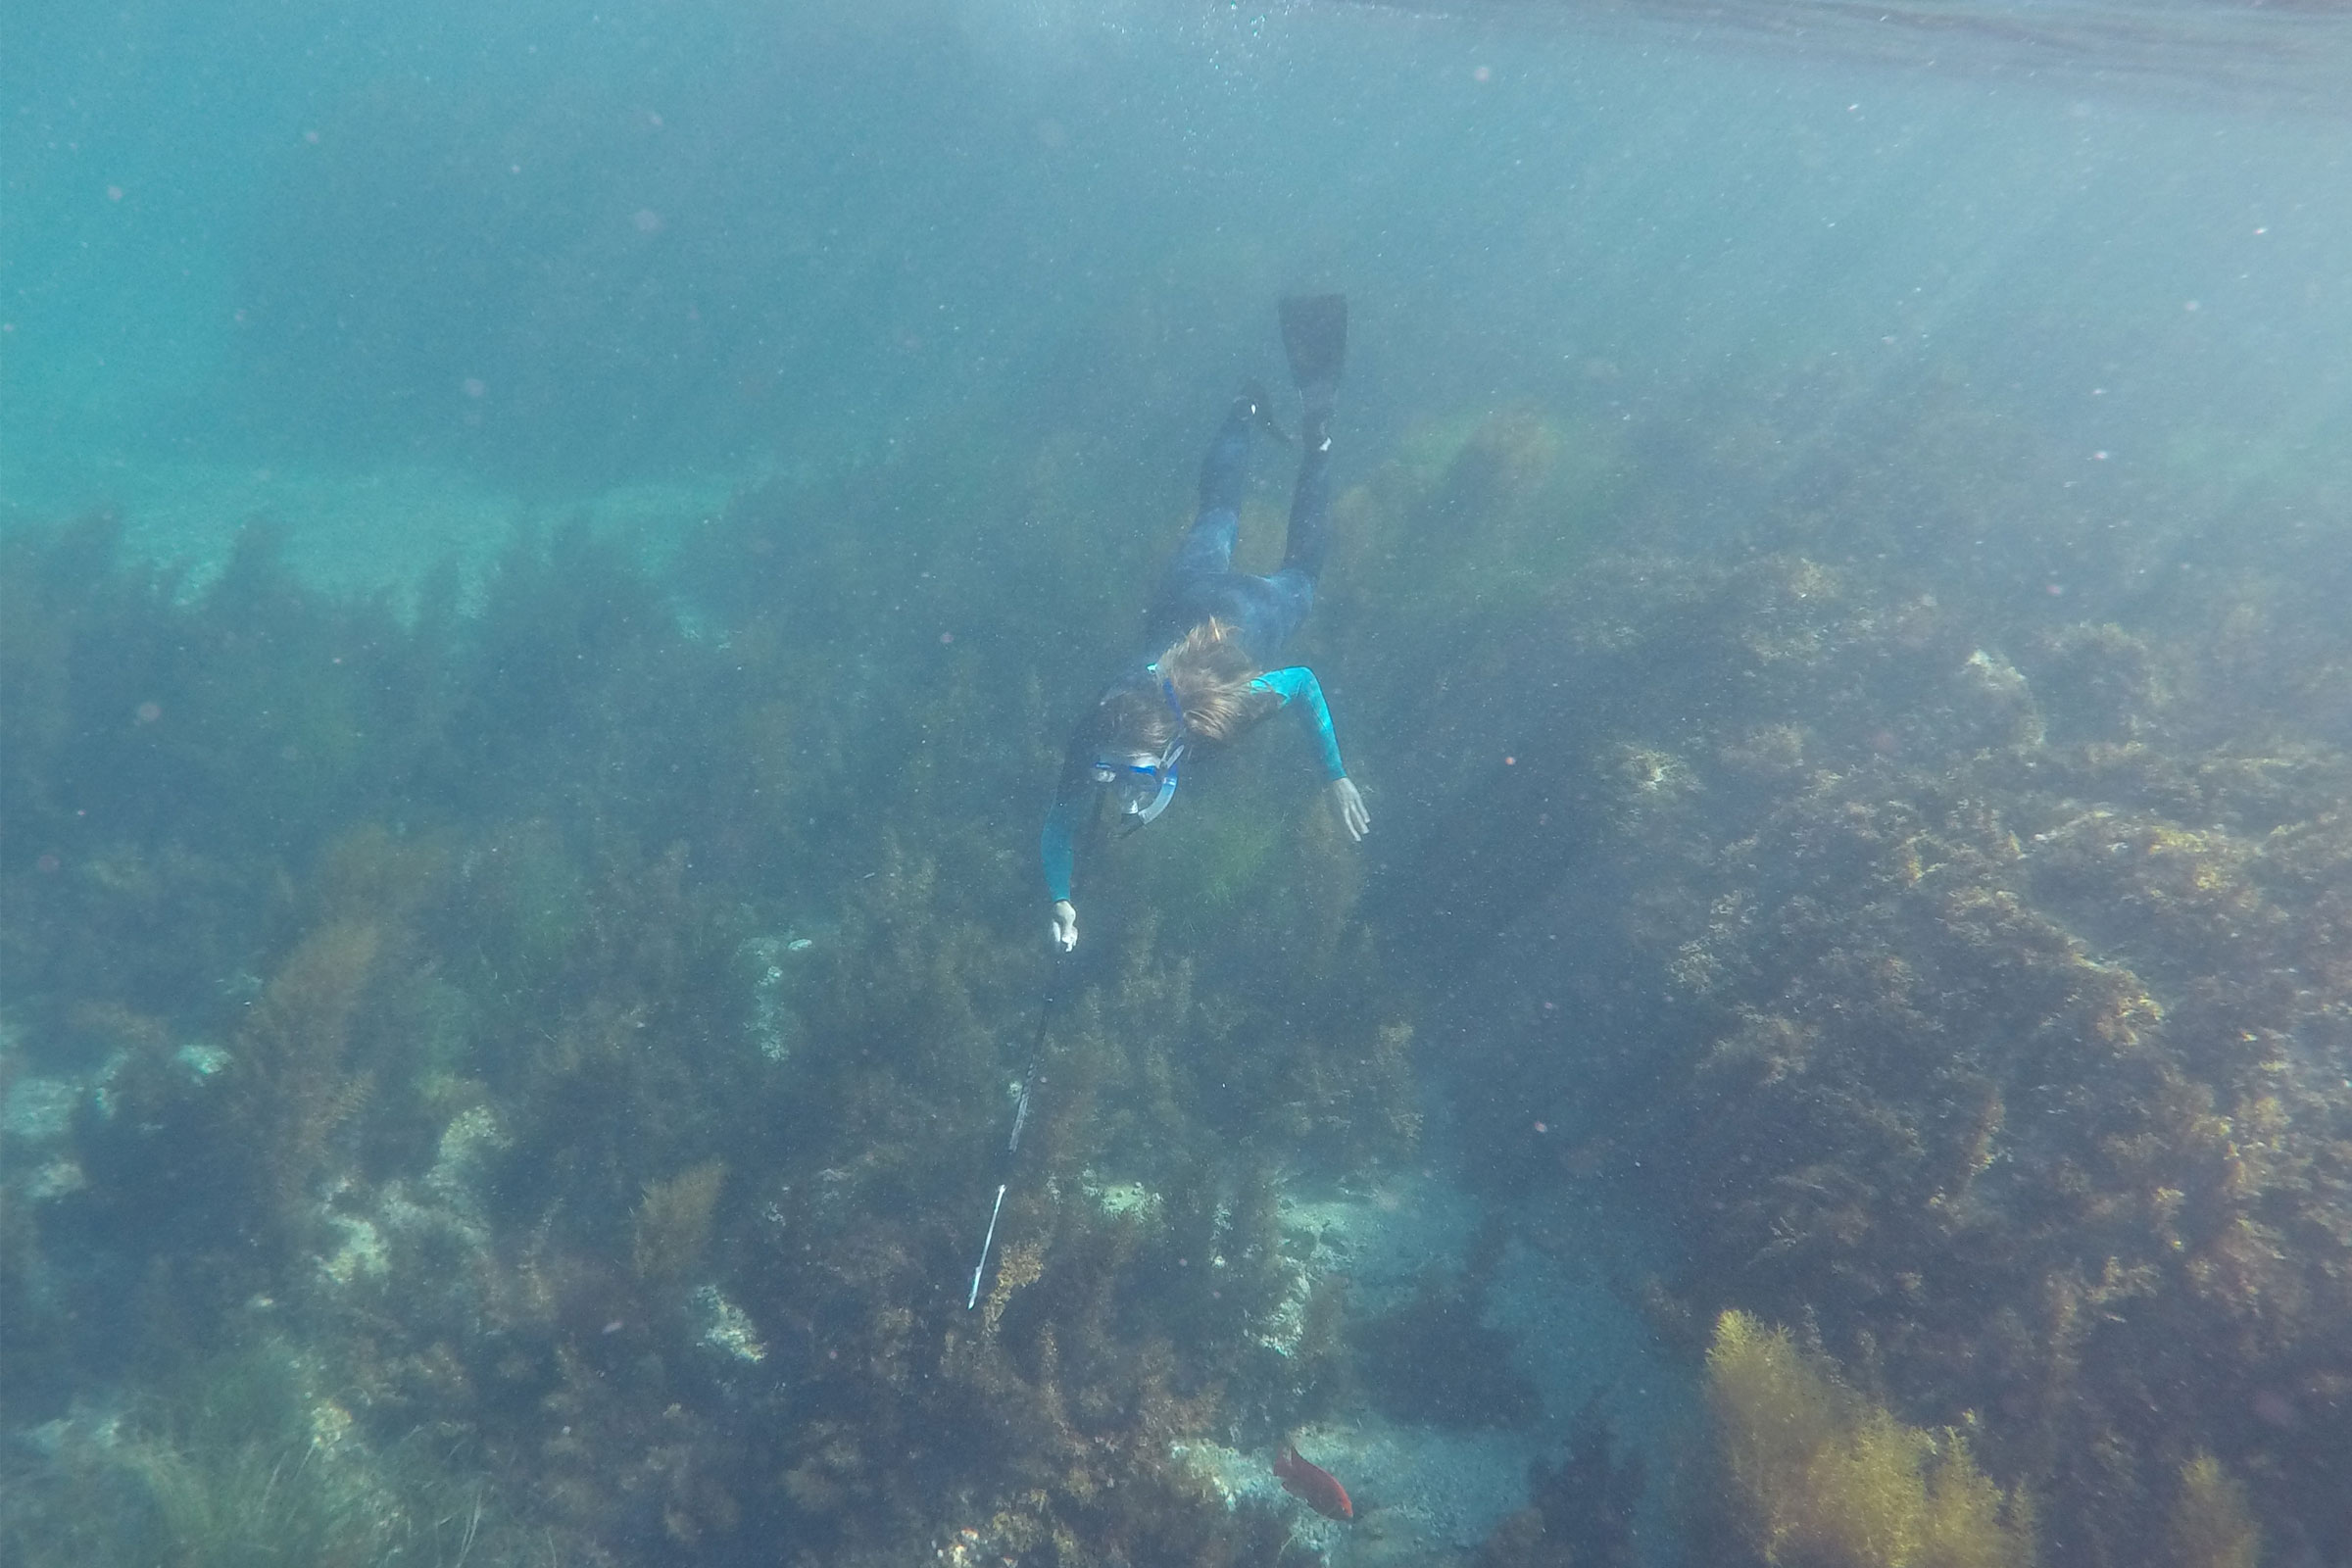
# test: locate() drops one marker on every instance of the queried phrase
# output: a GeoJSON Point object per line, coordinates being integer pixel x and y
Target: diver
{"type": "Point", "coordinates": [1211, 632]}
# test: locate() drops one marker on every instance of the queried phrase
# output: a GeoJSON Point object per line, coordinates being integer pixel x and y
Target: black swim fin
{"type": "Point", "coordinates": [1257, 407]}
{"type": "Point", "coordinates": [1314, 334]}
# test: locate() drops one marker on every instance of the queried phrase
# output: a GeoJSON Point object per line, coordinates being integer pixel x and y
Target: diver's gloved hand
{"type": "Point", "coordinates": [1350, 807]}
{"type": "Point", "coordinates": [1065, 924]}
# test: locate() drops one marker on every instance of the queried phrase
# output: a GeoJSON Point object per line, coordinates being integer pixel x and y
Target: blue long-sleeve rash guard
{"type": "Point", "coordinates": [1289, 685]}
{"type": "Point", "coordinates": [1295, 683]}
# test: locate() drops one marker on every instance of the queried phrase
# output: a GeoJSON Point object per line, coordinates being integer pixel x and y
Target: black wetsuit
{"type": "Point", "coordinates": [1201, 585]}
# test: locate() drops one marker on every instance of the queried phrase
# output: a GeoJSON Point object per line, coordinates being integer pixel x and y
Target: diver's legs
{"type": "Point", "coordinates": [1200, 581]}
{"type": "Point", "coordinates": [1207, 548]}
{"type": "Point", "coordinates": [1309, 534]}
{"type": "Point", "coordinates": [1314, 336]}
{"type": "Point", "coordinates": [1207, 552]}
{"type": "Point", "coordinates": [1290, 593]}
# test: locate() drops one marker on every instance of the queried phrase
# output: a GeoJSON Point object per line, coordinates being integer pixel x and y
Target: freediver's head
{"type": "Point", "coordinates": [1143, 786]}
{"type": "Point", "coordinates": [1138, 765]}
{"type": "Point", "coordinates": [1143, 728]}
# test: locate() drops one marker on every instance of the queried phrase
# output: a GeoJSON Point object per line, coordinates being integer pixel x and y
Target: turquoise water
{"type": "Point", "coordinates": [549, 559]}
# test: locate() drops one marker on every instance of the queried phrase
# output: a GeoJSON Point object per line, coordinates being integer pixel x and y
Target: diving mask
{"type": "Point", "coordinates": [1145, 788]}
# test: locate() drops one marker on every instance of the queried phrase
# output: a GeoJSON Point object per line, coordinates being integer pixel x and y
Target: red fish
{"type": "Point", "coordinates": [1312, 1485]}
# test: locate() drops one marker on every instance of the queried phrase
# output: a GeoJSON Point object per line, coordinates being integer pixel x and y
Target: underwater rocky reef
{"type": "Point", "coordinates": [512, 1073]}
{"type": "Point", "coordinates": [1962, 977]}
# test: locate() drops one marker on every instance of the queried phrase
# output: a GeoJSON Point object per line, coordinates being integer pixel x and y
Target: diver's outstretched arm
{"type": "Point", "coordinates": [1298, 684]}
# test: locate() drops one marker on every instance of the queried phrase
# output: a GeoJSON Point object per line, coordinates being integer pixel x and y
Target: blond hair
{"type": "Point", "coordinates": [1212, 677]}
{"type": "Point", "coordinates": [1209, 672]}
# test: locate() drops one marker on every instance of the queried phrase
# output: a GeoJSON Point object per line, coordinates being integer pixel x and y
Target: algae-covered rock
{"type": "Point", "coordinates": [1959, 985]}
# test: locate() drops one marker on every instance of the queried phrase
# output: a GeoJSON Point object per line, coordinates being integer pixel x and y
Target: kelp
{"type": "Point", "coordinates": [2211, 1524]}
{"type": "Point", "coordinates": [1952, 965]}
{"type": "Point", "coordinates": [1938, 955]}
{"type": "Point", "coordinates": [442, 1045]}
{"type": "Point", "coordinates": [1822, 1474]}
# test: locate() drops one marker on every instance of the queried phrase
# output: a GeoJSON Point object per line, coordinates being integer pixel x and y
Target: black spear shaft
{"type": "Point", "coordinates": [1021, 1120]}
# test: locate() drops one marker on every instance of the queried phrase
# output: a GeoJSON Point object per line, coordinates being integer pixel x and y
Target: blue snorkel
{"type": "Point", "coordinates": [1163, 771]}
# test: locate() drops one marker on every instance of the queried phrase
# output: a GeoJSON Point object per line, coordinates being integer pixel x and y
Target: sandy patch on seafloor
{"type": "Point", "coordinates": [1421, 1490]}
